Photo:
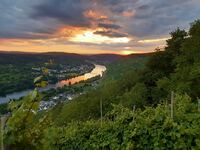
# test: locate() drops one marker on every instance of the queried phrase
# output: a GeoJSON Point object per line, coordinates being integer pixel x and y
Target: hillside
{"type": "Point", "coordinates": [16, 68]}
{"type": "Point", "coordinates": [131, 62]}
{"type": "Point", "coordinates": [39, 58]}
{"type": "Point", "coordinates": [111, 90]}
{"type": "Point", "coordinates": [152, 102]}
{"type": "Point", "coordinates": [105, 58]}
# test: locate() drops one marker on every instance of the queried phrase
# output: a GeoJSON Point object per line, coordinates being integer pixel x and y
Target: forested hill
{"type": "Point", "coordinates": [139, 110]}
{"type": "Point", "coordinates": [58, 57]}
{"type": "Point", "coordinates": [39, 58]}
{"type": "Point", "coordinates": [16, 68]}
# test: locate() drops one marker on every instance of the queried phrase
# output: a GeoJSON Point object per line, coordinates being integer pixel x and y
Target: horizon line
{"type": "Point", "coordinates": [25, 52]}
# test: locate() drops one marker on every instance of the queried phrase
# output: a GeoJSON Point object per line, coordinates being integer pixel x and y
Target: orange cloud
{"type": "Point", "coordinates": [36, 46]}
{"type": "Point", "coordinates": [94, 14]}
{"type": "Point", "coordinates": [128, 13]}
{"type": "Point", "coordinates": [14, 42]}
{"type": "Point", "coordinates": [89, 37]}
{"type": "Point", "coordinates": [68, 31]}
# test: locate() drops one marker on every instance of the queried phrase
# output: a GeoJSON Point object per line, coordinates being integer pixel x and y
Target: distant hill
{"type": "Point", "coordinates": [105, 57]}
{"type": "Point", "coordinates": [24, 58]}
{"type": "Point", "coordinates": [59, 57]}
{"type": "Point", "coordinates": [140, 54]}
{"type": "Point", "coordinates": [16, 68]}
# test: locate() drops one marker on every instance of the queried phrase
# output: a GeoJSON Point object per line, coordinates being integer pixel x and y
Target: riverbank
{"type": "Point", "coordinates": [98, 70]}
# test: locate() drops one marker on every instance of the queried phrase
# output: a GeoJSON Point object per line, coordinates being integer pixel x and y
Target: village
{"type": "Point", "coordinates": [67, 93]}
{"type": "Point", "coordinates": [62, 72]}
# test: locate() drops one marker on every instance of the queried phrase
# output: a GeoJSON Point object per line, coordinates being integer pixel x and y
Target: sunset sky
{"type": "Point", "coordinates": [92, 26]}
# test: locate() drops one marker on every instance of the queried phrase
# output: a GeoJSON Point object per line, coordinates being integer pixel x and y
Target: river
{"type": "Point", "coordinates": [98, 70]}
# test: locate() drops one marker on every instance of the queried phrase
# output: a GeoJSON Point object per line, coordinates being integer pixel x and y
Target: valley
{"type": "Point", "coordinates": [99, 75]}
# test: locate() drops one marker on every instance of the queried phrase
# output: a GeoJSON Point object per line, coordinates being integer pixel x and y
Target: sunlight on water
{"type": "Point", "coordinates": [98, 70]}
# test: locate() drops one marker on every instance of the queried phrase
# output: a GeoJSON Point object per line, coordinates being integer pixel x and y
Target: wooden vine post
{"type": "Point", "coordinates": [101, 111]}
{"type": "Point", "coordinates": [172, 104]}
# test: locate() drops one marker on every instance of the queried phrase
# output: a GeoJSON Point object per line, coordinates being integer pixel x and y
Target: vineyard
{"type": "Point", "coordinates": [136, 109]}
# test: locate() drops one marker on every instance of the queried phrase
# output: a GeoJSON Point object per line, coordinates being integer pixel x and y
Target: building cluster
{"type": "Point", "coordinates": [64, 71]}
{"type": "Point", "coordinates": [44, 105]}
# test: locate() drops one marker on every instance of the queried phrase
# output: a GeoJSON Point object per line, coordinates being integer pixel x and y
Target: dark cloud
{"type": "Point", "coordinates": [118, 6]}
{"type": "Point", "coordinates": [143, 7]}
{"type": "Point", "coordinates": [170, 3]}
{"type": "Point", "coordinates": [16, 22]}
{"type": "Point", "coordinates": [159, 17]}
{"type": "Point", "coordinates": [41, 18]}
{"type": "Point", "coordinates": [110, 33]}
{"type": "Point", "coordinates": [69, 12]}
{"type": "Point", "coordinates": [109, 26]}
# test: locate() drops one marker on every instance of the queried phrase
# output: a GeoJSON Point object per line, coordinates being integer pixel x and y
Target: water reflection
{"type": "Point", "coordinates": [98, 70]}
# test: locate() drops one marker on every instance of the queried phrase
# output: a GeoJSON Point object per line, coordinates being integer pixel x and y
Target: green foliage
{"type": "Point", "coordinates": [3, 109]}
{"type": "Point", "coordinates": [117, 69]}
{"type": "Point", "coordinates": [124, 84]}
{"type": "Point", "coordinates": [15, 78]}
{"type": "Point", "coordinates": [135, 97]}
{"type": "Point", "coordinates": [163, 61]}
{"type": "Point", "coordinates": [176, 68]}
{"type": "Point", "coordinates": [23, 128]}
{"type": "Point", "coordinates": [86, 106]}
{"type": "Point", "coordinates": [16, 72]}
{"type": "Point", "coordinates": [76, 123]}
{"type": "Point", "coordinates": [187, 74]}
{"type": "Point", "coordinates": [122, 128]}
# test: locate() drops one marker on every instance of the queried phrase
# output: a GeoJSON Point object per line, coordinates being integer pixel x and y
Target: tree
{"type": "Point", "coordinates": [163, 61]}
{"type": "Point", "coordinates": [187, 76]}
{"type": "Point", "coordinates": [136, 97]}
{"type": "Point", "coordinates": [24, 128]}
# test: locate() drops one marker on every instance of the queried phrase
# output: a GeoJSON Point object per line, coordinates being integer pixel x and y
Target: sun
{"type": "Point", "coordinates": [127, 52]}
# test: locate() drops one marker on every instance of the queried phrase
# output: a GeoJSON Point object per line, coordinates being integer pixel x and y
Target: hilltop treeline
{"type": "Point", "coordinates": [77, 124]}
{"type": "Point", "coordinates": [174, 69]}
